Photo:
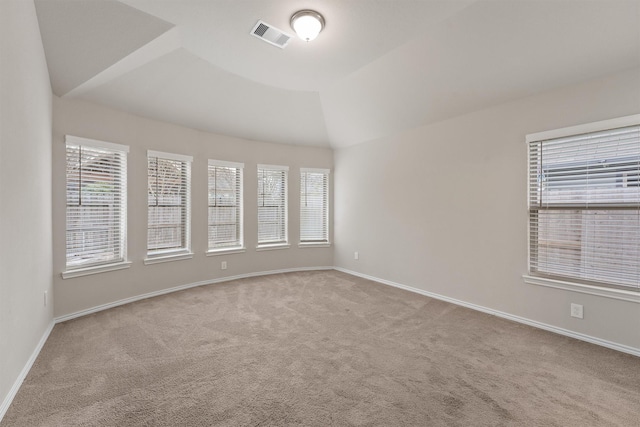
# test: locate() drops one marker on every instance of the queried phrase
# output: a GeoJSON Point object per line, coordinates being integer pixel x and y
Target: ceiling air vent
{"type": "Point", "coordinates": [271, 34]}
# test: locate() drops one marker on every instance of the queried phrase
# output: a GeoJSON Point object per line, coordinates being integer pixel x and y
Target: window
{"type": "Point", "coordinates": [272, 205]}
{"type": "Point", "coordinates": [96, 203]}
{"type": "Point", "coordinates": [225, 205]}
{"type": "Point", "coordinates": [584, 203]}
{"type": "Point", "coordinates": [169, 205]}
{"type": "Point", "coordinates": [314, 206]}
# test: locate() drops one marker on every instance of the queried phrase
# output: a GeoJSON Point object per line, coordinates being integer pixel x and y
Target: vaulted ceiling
{"type": "Point", "coordinates": [379, 66]}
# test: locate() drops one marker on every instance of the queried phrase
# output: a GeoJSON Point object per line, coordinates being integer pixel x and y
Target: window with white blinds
{"type": "Point", "coordinates": [225, 205]}
{"type": "Point", "coordinates": [314, 205]}
{"type": "Point", "coordinates": [96, 203]}
{"type": "Point", "coordinates": [272, 204]}
{"type": "Point", "coordinates": [584, 204]}
{"type": "Point", "coordinates": [169, 188]}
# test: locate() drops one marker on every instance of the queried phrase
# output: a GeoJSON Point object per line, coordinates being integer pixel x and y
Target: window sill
{"type": "Point", "coordinates": [223, 251]}
{"type": "Point", "coordinates": [273, 247]}
{"type": "Point", "coordinates": [314, 245]}
{"type": "Point", "coordinates": [168, 258]}
{"type": "Point", "coordinates": [95, 270]}
{"type": "Point", "coordinates": [619, 294]}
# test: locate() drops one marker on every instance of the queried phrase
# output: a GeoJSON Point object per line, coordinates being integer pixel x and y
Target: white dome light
{"type": "Point", "coordinates": [307, 24]}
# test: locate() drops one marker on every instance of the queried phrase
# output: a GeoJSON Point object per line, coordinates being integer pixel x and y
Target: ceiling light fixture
{"type": "Point", "coordinates": [307, 24]}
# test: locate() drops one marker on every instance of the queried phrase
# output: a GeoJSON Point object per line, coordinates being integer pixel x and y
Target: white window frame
{"type": "Point", "coordinates": [321, 241]}
{"type": "Point", "coordinates": [120, 262]}
{"type": "Point", "coordinates": [575, 284]}
{"type": "Point", "coordinates": [239, 245]}
{"type": "Point", "coordinates": [183, 252]}
{"type": "Point", "coordinates": [273, 244]}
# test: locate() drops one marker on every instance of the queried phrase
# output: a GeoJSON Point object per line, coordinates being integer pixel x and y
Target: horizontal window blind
{"type": "Point", "coordinates": [169, 188]}
{"type": "Point", "coordinates": [272, 204]}
{"type": "Point", "coordinates": [96, 202]}
{"type": "Point", "coordinates": [584, 207]}
{"type": "Point", "coordinates": [314, 205]}
{"type": "Point", "coordinates": [225, 205]}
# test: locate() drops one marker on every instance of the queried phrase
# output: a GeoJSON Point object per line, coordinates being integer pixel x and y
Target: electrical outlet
{"type": "Point", "coordinates": [356, 255]}
{"type": "Point", "coordinates": [223, 265]}
{"type": "Point", "coordinates": [45, 298]}
{"type": "Point", "coordinates": [576, 311]}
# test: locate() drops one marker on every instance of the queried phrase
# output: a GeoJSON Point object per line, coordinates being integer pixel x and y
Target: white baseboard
{"type": "Point", "coordinates": [25, 370]}
{"type": "Point", "coordinates": [583, 337]}
{"type": "Point", "coordinates": [604, 343]}
{"type": "Point", "coordinates": [98, 308]}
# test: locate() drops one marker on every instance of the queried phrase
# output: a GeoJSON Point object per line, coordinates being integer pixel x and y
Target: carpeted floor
{"type": "Point", "coordinates": [318, 349]}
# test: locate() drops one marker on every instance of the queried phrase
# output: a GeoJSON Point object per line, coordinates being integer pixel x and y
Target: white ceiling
{"type": "Point", "coordinates": [379, 66]}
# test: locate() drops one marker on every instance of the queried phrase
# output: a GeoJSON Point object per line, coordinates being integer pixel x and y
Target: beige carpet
{"type": "Point", "coordinates": [318, 349]}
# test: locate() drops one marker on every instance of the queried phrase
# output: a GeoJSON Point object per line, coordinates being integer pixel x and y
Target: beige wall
{"type": "Point", "coordinates": [96, 122]}
{"type": "Point", "coordinates": [25, 190]}
{"type": "Point", "coordinates": [443, 207]}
